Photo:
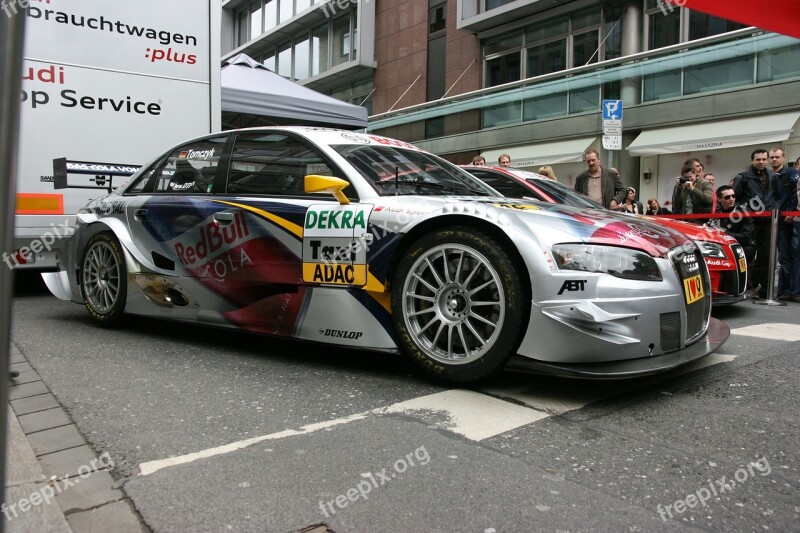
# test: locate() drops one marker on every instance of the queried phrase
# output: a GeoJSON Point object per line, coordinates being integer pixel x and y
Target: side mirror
{"type": "Point", "coordinates": [326, 184]}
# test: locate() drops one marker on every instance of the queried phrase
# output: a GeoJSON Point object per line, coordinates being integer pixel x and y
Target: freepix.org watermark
{"type": "Point", "coordinates": [45, 242]}
{"type": "Point", "coordinates": [12, 7]}
{"type": "Point", "coordinates": [715, 488]}
{"type": "Point", "coordinates": [374, 481]}
{"type": "Point", "coordinates": [669, 7]}
{"type": "Point", "coordinates": [47, 493]}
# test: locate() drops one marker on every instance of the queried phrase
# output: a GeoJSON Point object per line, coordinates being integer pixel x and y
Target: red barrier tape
{"type": "Point", "coordinates": [726, 215]}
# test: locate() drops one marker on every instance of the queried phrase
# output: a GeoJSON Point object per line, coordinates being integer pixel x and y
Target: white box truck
{"type": "Point", "coordinates": [108, 82]}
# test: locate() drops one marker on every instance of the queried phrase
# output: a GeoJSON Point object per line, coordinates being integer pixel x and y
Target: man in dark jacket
{"type": "Point", "coordinates": [603, 186]}
{"type": "Point", "coordinates": [736, 225]}
{"type": "Point", "coordinates": [754, 192]}
{"type": "Point", "coordinates": [692, 194]}
{"type": "Point", "coordinates": [784, 186]}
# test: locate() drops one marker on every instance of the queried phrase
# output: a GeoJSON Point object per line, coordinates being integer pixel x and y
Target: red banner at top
{"type": "Point", "coordinates": [780, 16]}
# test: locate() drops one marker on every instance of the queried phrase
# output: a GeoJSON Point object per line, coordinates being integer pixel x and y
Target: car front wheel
{"type": "Point", "coordinates": [103, 279]}
{"type": "Point", "coordinates": [458, 304]}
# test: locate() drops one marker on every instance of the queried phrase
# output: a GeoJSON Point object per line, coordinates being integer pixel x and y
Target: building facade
{"type": "Point", "coordinates": [527, 78]}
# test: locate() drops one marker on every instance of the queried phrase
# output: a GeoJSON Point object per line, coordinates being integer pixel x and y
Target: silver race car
{"type": "Point", "coordinates": [364, 241]}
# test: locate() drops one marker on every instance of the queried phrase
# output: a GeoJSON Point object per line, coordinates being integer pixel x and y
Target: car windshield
{"type": "Point", "coordinates": [392, 171]}
{"type": "Point", "coordinates": [560, 192]}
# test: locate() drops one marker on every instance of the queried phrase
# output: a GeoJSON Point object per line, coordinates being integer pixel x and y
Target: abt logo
{"type": "Point", "coordinates": [573, 285]}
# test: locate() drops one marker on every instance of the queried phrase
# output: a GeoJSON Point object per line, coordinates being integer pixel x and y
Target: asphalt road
{"type": "Point", "coordinates": [361, 441]}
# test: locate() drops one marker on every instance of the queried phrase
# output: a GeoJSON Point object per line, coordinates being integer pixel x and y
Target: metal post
{"type": "Point", "coordinates": [11, 40]}
{"type": "Point", "coordinates": [773, 245]}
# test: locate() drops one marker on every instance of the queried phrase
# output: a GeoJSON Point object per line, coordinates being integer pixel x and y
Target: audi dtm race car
{"type": "Point", "coordinates": [364, 241]}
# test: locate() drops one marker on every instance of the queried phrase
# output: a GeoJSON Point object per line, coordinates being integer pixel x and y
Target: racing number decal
{"type": "Point", "coordinates": [742, 264]}
{"type": "Point", "coordinates": [334, 250]}
{"type": "Point", "coordinates": [693, 288]}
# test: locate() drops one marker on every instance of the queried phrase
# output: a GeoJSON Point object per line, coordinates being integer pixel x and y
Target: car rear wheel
{"type": "Point", "coordinates": [458, 304]}
{"type": "Point", "coordinates": [103, 279]}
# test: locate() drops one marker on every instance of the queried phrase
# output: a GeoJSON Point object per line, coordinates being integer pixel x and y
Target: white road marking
{"type": "Point", "coordinates": [154, 466]}
{"type": "Point", "coordinates": [471, 414]}
{"type": "Point", "coordinates": [474, 415]}
{"type": "Point", "coordinates": [777, 331]}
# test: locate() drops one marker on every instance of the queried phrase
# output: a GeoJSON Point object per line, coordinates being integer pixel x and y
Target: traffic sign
{"type": "Point", "coordinates": [612, 109]}
{"type": "Point", "coordinates": [612, 142]}
{"type": "Point", "coordinates": [612, 130]}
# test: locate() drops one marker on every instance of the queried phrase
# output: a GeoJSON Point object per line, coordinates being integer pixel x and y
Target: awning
{"type": "Point", "coordinates": [552, 153]}
{"type": "Point", "coordinates": [252, 90]}
{"type": "Point", "coordinates": [715, 135]}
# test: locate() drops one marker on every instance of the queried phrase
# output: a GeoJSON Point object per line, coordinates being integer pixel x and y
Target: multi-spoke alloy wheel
{"type": "Point", "coordinates": [103, 279]}
{"type": "Point", "coordinates": [456, 304]}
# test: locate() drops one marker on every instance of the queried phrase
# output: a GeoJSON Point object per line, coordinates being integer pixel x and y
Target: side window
{"type": "Point", "coordinates": [505, 186]}
{"type": "Point", "coordinates": [190, 169]}
{"type": "Point", "coordinates": [143, 179]}
{"type": "Point", "coordinates": [273, 163]}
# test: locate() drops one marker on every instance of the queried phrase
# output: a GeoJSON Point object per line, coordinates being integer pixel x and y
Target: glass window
{"type": "Point", "coordinates": [319, 50]}
{"type": "Point", "coordinates": [301, 59]}
{"type": "Point", "coordinates": [551, 105]}
{"type": "Point", "coordinates": [585, 48]}
{"type": "Point", "coordinates": [269, 60]}
{"type": "Point", "coordinates": [510, 113]}
{"type": "Point", "coordinates": [274, 164]}
{"type": "Point", "coordinates": [547, 29]}
{"type": "Point", "coordinates": [138, 185]}
{"type": "Point", "coordinates": [504, 69]}
{"type": "Point", "coordinates": [341, 40]}
{"type": "Point", "coordinates": [242, 28]}
{"type": "Point", "coordinates": [546, 58]}
{"type": "Point", "coordinates": [779, 64]}
{"type": "Point", "coordinates": [664, 29]}
{"type": "Point", "coordinates": [190, 169]}
{"type": "Point", "coordinates": [505, 185]}
{"type": "Point", "coordinates": [302, 5]}
{"type": "Point", "coordinates": [285, 60]}
{"type": "Point", "coordinates": [437, 19]}
{"type": "Point", "coordinates": [285, 10]}
{"type": "Point", "coordinates": [662, 85]}
{"type": "Point", "coordinates": [613, 30]}
{"type": "Point", "coordinates": [702, 25]}
{"type": "Point", "coordinates": [503, 43]}
{"type": "Point", "coordinates": [719, 75]}
{"type": "Point", "coordinates": [255, 20]}
{"type": "Point", "coordinates": [587, 99]}
{"type": "Point", "coordinates": [270, 14]}
{"type": "Point", "coordinates": [586, 18]}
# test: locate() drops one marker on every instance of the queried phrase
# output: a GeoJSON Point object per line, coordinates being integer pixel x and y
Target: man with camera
{"type": "Point", "coordinates": [691, 195]}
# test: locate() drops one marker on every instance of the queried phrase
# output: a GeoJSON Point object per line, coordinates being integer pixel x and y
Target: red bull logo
{"type": "Point", "coordinates": [213, 237]}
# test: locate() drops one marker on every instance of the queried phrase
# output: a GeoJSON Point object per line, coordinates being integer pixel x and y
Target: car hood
{"type": "Point", "coordinates": [550, 222]}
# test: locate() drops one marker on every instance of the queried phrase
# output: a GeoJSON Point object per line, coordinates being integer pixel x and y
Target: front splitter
{"type": "Point", "coordinates": [714, 337]}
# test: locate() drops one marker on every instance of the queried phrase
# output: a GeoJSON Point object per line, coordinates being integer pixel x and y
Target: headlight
{"type": "Point", "coordinates": [711, 249]}
{"type": "Point", "coordinates": [619, 262]}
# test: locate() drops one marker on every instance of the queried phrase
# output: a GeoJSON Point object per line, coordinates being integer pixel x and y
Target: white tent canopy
{"type": "Point", "coordinates": [253, 95]}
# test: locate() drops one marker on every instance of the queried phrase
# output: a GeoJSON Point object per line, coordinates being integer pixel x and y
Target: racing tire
{"type": "Point", "coordinates": [104, 284]}
{"type": "Point", "coordinates": [458, 305]}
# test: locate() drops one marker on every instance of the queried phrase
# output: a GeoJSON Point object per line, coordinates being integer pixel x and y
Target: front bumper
{"type": "Point", "coordinates": [714, 337]}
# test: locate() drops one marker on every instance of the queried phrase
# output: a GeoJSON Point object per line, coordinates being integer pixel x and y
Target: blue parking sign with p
{"type": "Point", "coordinates": [612, 109]}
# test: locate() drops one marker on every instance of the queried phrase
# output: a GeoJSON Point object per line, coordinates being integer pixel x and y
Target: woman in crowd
{"type": "Point", "coordinates": [630, 205]}
{"type": "Point", "coordinates": [654, 209]}
{"type": "Point", "coordinates": [547, 172]}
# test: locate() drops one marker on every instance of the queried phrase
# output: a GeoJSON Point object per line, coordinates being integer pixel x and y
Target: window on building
{"type": "Point", "coordinates": [242, 27]}
{"type": "Point", "coordinates": [718, 75]}
{"type": "Point", "coordinates": [270, 14]}
{"type": "Point", "coordinates": [256, 19]}
{"type": "Point", "coordinates": [779, 64]}
{"type": "Point", "coordinates": [285, 60]}
{"type": "Point", "coordinates": [269, 60]}
{"type": "Point", "coordinates": [319, 49]}
{"type": "Point", "coordinates": [302, 60]}
{"type": "Point", "coordinates": [437, 50]}
{"type": "Point", "coordinates": [703, 25]}
{"type": "Point", "coordinates": [285, 10]}
{"type": "Point", "coordinates": [341, 40]}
